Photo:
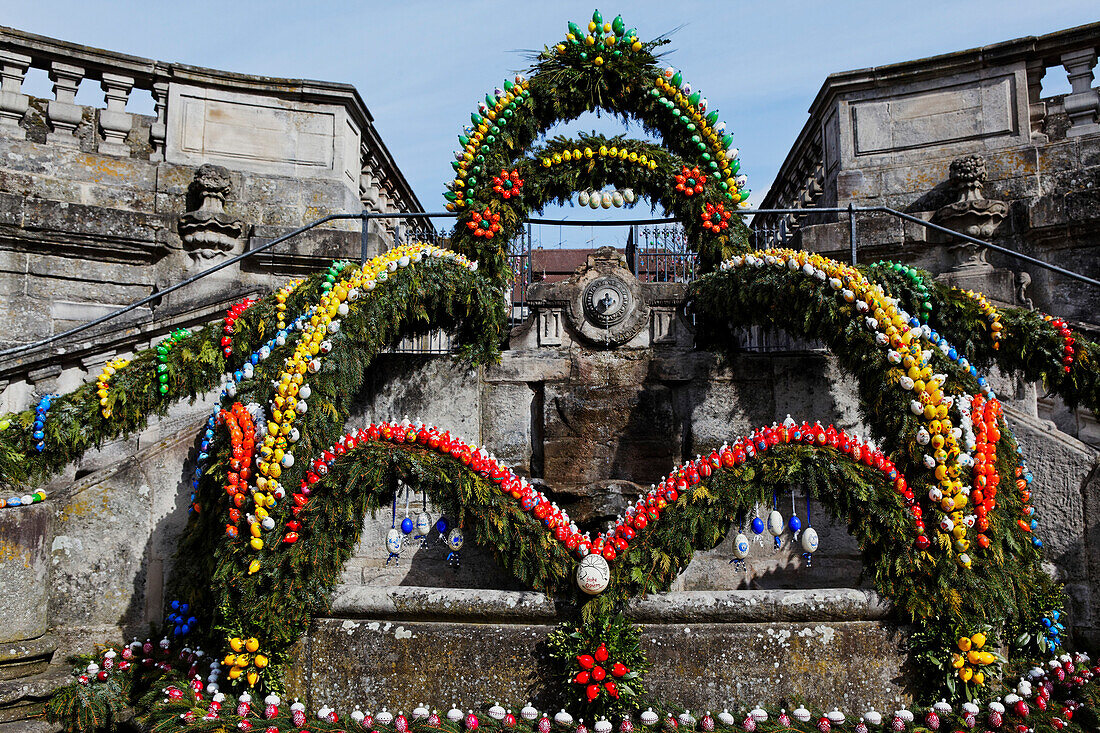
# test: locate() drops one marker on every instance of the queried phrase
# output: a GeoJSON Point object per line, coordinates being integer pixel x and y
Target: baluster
{"type": "Point", "coordinates": [13, 103]}
{"type": "Point", "coordinates": [158, 131]}
{"type": "Point", "coordinates": [115, 121]}
{"type": "Point", "coordinates": [63, 111]}
{"type": "Point", "coordinates": [1082, 103]}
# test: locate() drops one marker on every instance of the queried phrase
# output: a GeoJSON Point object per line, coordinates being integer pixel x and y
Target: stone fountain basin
{"type": "Point", "coordinates": [400, 646]}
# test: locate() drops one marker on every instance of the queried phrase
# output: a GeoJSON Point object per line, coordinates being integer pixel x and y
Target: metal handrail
{"type": "Point", "coordinates": [366, 216]}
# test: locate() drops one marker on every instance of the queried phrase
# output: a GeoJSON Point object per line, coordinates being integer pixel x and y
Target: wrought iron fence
{"type": "Point", "coordinates": [661, 254]}
{"type": "Point", "coordinates": [519, 261]}
{"type": "Point", "coordinates": [764, 235]}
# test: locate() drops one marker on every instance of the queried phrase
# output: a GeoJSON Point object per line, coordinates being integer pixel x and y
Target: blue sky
{"type": "Point", "coordinates": [422, 66]}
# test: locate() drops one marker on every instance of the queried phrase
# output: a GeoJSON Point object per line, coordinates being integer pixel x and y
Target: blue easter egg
{"type": "Point", "coordinates": [794, 523]}
{"type": "Point", "coordinates": [407, 525]}
{"type": "Point", "coordinates": [757, 525]}
{"type": "Point", "coordinates": [952, 354]}
{"type": "Point", "coordinates": [442, 525]}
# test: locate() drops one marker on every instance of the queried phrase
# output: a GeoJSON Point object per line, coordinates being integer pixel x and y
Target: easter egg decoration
{"type": "Point", "coordinates": [808, 539]}
{"type": "Point", "coordinates": [394, 539]}
{"type": "Point", "coordinates": [776, 525]}
{"type": "Point", "coordinates": [740, 546]}
{"type": "Point", "coordinates": [758, 526]}
{"type": "Point", "coordinates": [423, 526]}
{"type": "Point", "coordinates": [593, 574]}
{"type": "Point", "coordinates": [455, 540]}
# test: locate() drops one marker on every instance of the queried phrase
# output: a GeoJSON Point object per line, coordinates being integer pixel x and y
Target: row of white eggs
{"type": "Point", "coordinates": [607, 199]}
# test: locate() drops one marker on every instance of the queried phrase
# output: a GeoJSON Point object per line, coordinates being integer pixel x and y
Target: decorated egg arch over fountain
{"type": "Point", "coordinates": [940, 500]}
{"type": "Point", "coordinates": [501, 174]}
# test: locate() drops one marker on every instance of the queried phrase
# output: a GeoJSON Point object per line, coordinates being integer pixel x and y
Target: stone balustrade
{"type": "Point", "coordinates": [278, 126]}
{"type": "Point", "coordinates": [983, 97]}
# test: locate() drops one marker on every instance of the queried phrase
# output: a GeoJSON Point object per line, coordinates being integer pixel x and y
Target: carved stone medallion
{"type": "Point", "coordinates": [606, 306]}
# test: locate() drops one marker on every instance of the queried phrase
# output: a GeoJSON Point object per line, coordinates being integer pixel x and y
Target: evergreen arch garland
{"type": "Point", "coordinates": [604, 68]}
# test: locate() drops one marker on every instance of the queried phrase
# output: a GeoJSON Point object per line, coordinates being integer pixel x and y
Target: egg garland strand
{"type": "Point", "coordinates": [993, 321]}
{"type": "Point", "coordinates": [1068, 341]}
{"type": "Point", "coordinates": [608, 545]}
{"type": "Point", "coordinates": [38, 431]}
{"type": "Point", "coordinates": [162, 350]}
{"type": "Point", "coordinates": [230, 321]}
{"type": "Point", "coordinates": [273, 453]}
{"type": "Point", "coordinates": [902, 337]}
{"type": "Point", "coordinates": [103, 383]}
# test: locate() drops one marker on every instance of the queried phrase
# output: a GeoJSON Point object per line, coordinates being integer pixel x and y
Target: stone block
{"type": "Point", "coordinates": [436, 389]}
{"type": "Point", "coordinates": [529, 366]}
{"type": "Point", "coordinates": [947, 113]}
{"type": "Point", "coordinates": [262, 134]}
{"type": "Point", "coordinates": [1061, 466]}
{"type": "Point", "coordinates": [856, 185]}
{"type": "Point", "coordinates": [419, 566]}
{"type": "Point", "coordinates": [24, 571]}
{"type": "Point", "coordinates": [715, 666]}
{"type": "Point", "coordinates": [508, 421]}
{"type": "Point", "coordinates": [610, 432]}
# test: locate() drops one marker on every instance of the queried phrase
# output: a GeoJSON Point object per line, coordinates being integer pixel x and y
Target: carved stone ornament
{"type": "Point", "coordinates": [971, 214]}
{"type": "Point", "coordinates": [208, 231]}
{"type": "Point", "coordinates": [606, 307]}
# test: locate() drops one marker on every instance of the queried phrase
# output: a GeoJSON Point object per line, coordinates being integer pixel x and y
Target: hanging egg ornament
{"type": "Point", "coordinates": [740, 551]}
{"type": "Point", "coordinates": [583, 198]}
{"type": "Point", "coordinates": [393, 541]}
{"type": "Point", "coordinates": [407, 525]}
{"type": "Point", "coordinates": [776, 526]}
{"type": "Point", "coordinates": [593, 574]}
{"type": "Point", "coordinates": [455, 539]}
{"type": "Point", "coordinates": [423, 523]}
{"type": "Point", "coordinates": [757, 526]}
{"type": "Point", "coordinates": [809, 540]}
